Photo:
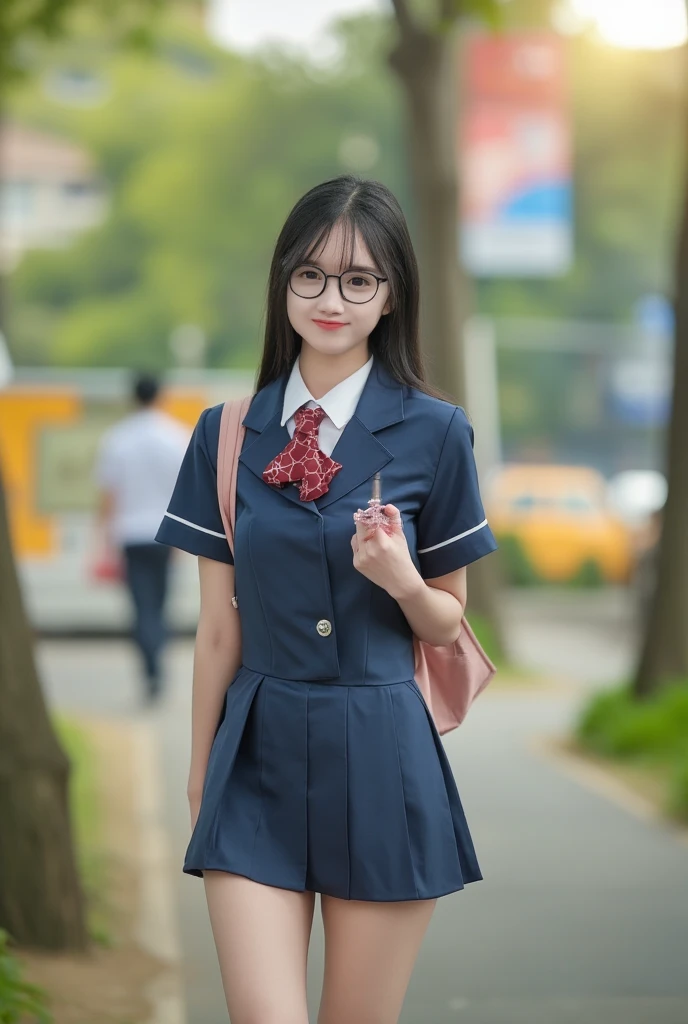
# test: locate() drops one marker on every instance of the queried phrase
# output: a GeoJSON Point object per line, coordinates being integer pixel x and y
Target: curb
{"type": "Point", "coordinates": [604, 784]}
{"type": "Point", "coordinates": [157, 928]}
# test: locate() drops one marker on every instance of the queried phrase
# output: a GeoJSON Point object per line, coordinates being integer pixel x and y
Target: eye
{"type": "Point", "coordinates": [360, 280]}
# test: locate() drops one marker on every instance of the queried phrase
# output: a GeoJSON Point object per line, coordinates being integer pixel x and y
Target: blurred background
{"type": "Point", "coordinates": [149, 155]}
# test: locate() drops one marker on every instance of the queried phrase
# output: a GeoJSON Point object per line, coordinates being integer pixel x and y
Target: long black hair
{"type": "Point", "coordinates": [369, 208]}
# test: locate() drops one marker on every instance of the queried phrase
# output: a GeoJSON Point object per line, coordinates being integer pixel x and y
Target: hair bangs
{"type": "Point", "coordinates": [347, 249]}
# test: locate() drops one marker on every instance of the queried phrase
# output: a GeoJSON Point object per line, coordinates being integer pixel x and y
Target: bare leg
{"type": "Point", "coordinates": [370, 950]}
{"type": "Point", "coordinates": [262, 935]}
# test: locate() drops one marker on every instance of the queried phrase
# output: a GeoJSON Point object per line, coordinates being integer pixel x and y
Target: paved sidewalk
{"type": "Point", "coordinates": [582, 917]}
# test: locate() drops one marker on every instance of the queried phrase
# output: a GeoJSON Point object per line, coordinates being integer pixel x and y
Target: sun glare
{"type": "Point", "coordinates": [637, 24]}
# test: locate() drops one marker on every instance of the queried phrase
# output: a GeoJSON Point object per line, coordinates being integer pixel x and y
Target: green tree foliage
{"type": "Point", "coordinates": [204, 152]}
{"type": "Point", "coordinates": [27, 23]}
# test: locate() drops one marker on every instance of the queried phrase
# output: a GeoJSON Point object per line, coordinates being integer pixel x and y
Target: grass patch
{"type": "Point", "coordinates": [20, 1001]}
{"type": "Point", "coordinates": [87, 824]}
{"type": "Point", "coordinates": [650, 734]}
{"type": "Point", "coordinates": [111, 983]}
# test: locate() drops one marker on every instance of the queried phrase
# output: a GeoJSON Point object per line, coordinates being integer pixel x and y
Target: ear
{"type": "Point", "coordinates": [387, 308]}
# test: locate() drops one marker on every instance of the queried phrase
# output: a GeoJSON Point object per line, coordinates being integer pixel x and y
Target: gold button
{"type": "Point", "coordinates": [324, 627]}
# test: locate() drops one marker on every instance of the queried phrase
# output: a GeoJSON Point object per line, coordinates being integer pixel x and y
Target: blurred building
{"type": "Point", "coordinates": [49, 192]}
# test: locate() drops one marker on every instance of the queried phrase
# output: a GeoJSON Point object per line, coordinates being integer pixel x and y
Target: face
{"type": "Point", "coordinates": [328, 322]}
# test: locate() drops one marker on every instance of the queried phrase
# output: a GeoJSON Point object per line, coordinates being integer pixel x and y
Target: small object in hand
{"type": "Point", "coordinates": [373, 516]}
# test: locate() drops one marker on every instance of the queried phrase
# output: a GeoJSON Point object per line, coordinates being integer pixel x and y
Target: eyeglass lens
{"type": "Point", "coordinates": [309, 282]}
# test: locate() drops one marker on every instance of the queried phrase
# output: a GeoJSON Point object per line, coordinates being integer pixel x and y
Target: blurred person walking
{"type": "Point", "coordinates": [137, 465]}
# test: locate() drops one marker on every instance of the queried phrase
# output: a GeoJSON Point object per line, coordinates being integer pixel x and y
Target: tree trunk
{"type": "Point", "coordinates": [426, 64]}
{"type": "Point", "coordinates": [664, 655]}
{"type": "Point", "coordinates": [41, 902]}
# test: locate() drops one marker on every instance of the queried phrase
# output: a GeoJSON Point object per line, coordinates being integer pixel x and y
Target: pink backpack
{"type": "Point", "coordinates": [450, 678]}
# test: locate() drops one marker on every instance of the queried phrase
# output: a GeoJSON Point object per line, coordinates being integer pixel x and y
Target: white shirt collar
{"type": "Point", "coordinates": [340, 401]}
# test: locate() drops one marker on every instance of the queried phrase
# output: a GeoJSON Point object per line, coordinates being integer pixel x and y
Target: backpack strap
{"type": "Point", "coordinates": [228, 450]}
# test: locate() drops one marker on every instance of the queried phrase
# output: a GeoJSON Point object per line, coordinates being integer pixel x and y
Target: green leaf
{"type": "Point", "coordinates": [19, 1000]}
{"type": "Point", "coordinates": [489, 12]}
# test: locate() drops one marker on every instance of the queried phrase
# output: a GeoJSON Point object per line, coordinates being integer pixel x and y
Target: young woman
{"type": "Point", "coordinates": [326, 773]}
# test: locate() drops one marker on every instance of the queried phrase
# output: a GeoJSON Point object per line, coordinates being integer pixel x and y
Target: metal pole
{"type": "Point", "coordinates": [482, 389]}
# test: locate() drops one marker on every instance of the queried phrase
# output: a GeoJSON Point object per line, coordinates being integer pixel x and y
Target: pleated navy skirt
{"type": "Point", "coordinates": [341, 790]}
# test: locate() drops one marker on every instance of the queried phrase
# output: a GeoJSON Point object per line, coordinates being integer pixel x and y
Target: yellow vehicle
{"type": "Point", "coordinates": [553, 525]}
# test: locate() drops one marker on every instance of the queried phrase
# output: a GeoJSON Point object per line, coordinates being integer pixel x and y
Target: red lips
{"type": "Point", "coordinates": [329, 325]}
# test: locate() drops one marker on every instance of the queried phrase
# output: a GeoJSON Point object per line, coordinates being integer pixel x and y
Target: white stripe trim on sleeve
{"type": "Point", "coordinates": [185, 522]}
{"type": "Point", "coordinates": [459, 536]}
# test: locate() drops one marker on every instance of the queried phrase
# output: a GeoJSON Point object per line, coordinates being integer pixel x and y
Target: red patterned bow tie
{"type": "Point", "coordinates": [302, 460]}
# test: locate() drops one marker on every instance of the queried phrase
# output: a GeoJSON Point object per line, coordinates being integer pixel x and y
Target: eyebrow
{"type": "Point", "coordinates": [361, 269]}
{"type": "Point", "coordinates": [368, 270]}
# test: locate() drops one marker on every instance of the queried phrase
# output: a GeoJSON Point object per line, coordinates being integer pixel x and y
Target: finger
{"type": "Point", "coordinates": [392, 512]}
{"type": "Point", "coordinates": [364, 531]}
{"type": "Point", "coordinates": [393, 517]}
{"type": "Point", "coordinates": [359, 545]}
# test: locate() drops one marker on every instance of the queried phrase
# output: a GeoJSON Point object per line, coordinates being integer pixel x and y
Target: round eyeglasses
{"type": "Point", "coordinates": [308, 282]}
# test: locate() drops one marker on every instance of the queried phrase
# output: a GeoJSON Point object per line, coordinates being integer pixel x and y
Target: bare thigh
{"type": "Point", "coordinates": [262, 935]}
{"type": "Point", "coordinates": [370, 950]}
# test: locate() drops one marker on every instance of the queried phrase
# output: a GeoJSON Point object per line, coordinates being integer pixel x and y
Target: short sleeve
{"type": "Point", "coordinates": [452, 527]}
{"type": "Point", "coordinates": [193, 521]}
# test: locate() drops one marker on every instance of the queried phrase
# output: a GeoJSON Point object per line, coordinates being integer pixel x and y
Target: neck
{"type": "Point", "coordinates": [322, 372]}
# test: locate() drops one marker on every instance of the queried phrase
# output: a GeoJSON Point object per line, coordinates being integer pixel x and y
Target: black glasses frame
{"type": "Point", "coordinates": [339, 277]}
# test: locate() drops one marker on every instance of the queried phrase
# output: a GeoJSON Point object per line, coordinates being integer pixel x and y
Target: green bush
{"type": "Point", "coordinates": [593, 725]}
{"type": "Point", "coordinates": [589, 574]}
{"type": "Point", "coordinates": [19, 1000]}
{"type": "Point", "coordinates": [653, 731]}
{"type": "Point", "coordinates": [677, 802]}
{"type": "Point", "coordinates": [518, 569]}
{"type": "Point", "coordinates": [618, 725]}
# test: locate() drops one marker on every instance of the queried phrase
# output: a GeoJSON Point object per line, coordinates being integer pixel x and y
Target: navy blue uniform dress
{"type": "Point", "coordinates": [326, 772]}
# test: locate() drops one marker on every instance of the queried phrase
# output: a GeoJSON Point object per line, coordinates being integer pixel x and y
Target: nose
{"type": "Point", "coordinates": [330, 301]}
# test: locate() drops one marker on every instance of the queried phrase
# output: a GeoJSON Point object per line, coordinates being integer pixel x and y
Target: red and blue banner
{"type": "Point", "coordinates": [515, 157]}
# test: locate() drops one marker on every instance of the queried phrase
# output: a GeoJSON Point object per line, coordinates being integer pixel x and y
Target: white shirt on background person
{"type": "Point", "coordinates": [138, 462]}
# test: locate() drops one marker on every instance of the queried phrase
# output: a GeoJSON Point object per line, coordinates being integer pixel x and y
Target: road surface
{"type": "Point", "coordinates": [582, 916]}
